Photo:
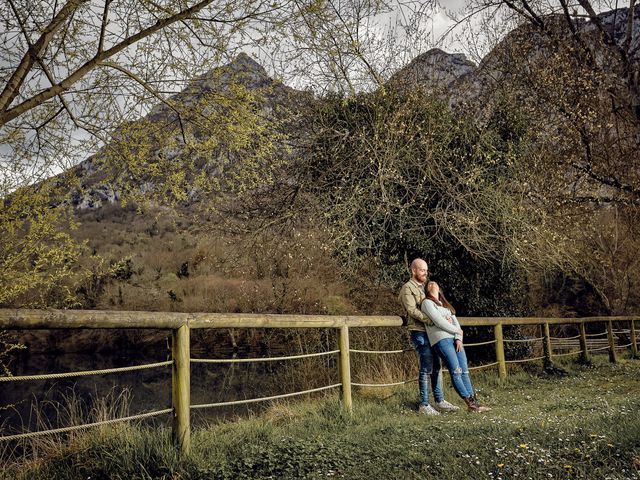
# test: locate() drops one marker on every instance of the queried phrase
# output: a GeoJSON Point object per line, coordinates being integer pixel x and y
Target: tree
{"type": "Point", "coordinates": [581, 101]}
{"type": "Point", "coordinates": [395, 174]}
{"type": "Point", "coordinates": [352, 46]}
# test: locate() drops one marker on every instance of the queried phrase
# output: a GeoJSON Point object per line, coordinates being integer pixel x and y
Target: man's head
{"type": "Point", "coordinates": [419, 270]}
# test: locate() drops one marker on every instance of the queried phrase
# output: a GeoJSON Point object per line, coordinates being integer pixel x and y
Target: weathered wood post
{"type": "Point", "coordinates": [345, 368]}
{"type": "Point", "coordinates": [634, 341]}
{"type": "Point", "coordinates": [612, 342]}
{"type": "Point", "coordinates": [584, 355]}
{"type": "Point", "coordinates": [548, 364]}
{"type": "Point", "coordinates": [502, 365]}
{"type": "Point", "coordinates": [180, 389]}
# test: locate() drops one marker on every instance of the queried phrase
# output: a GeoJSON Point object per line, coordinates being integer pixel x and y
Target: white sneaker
{"type": "Point", "coordinates": [445, 406]}
{"type": "Point", "coordinates": [428, 410]}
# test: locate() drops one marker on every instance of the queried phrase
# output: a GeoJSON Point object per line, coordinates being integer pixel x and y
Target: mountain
{"type": "Point", "coordinates": [526, 47]}
{"type": "Point", "coordinates": [101, 178]}
{"type": "Point", "coordinates": [434, 69]}
{"type": "Point", "coordinates": [466, 84]}
{"type": "Point", "coordinates": [166, 259]}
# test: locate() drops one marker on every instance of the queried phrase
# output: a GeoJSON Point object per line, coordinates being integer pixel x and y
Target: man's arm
{"type": "Point", "coordinates": [409, 302]}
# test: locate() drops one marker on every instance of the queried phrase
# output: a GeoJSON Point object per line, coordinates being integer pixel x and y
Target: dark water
{"type": "Point", "coordinates": [41, 404]}
{"type": "Point", "coordinates": [52, 399]}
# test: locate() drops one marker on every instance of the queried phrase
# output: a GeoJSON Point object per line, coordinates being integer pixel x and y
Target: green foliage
{"type": "Point", "coordinates": [38, 255]}
{"type": "Point", "coordinates": [7, 345]}
{"type": "Point", "coordinates": [122, 269]}
{"type": "Point", "coordinates": [398, 168]}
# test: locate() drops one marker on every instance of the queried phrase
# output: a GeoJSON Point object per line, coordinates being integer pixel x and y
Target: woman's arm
{"type": "Point", "coordinates": [430, 309]}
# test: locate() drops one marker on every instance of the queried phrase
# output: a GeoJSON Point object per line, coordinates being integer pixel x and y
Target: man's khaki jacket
{"type": "Point", "coordinates": [411, 294]}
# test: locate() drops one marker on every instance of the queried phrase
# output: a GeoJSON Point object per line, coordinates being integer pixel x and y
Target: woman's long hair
{"type": "Point", "coordinates": [441, 300]}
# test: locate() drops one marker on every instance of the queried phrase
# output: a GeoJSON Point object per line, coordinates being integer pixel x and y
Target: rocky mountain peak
{"type": "Point", "coordinates": [242, 69]}
{"type": "Point", "coordinates": [434, 69]}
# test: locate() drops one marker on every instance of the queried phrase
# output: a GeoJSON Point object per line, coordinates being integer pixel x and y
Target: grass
{"type": "Point", "coordinates": [583, 425]}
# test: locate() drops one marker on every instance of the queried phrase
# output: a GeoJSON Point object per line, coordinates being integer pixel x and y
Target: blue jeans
{"type": "Point", "coordinates": [456, 363]}
{"type": "Point", "coordinates": [429, 367]}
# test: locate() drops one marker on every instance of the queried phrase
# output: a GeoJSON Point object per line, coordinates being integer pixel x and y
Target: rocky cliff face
{"type": "Point", "coordinates": [434, 70]}
{"type": "Point", "coordinates": [479, 86]}
{"type": "Point", "coordinates": [464, 83]}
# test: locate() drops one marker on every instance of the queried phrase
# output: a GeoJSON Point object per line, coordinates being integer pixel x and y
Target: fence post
{"type": "Point", "coordinates": [547, 347]}
{"type": "Point", "coordinates": [634, 341]}
{"type": "Point", "coordinates": [180, 389]}
{"type": "Point", "coordinates": [345, 368]}
{"type": "Point", "coordinates": [584, 355]}
{"type": "Point", "coordinates": [612, 342]}
{"type": "Point", "coordinates": [502, 366]}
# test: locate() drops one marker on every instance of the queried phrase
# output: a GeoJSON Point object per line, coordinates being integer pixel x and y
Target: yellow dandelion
{"type": "Point", "coordinates": [568, 467]}
{"type": "Point", "coordinates": [500, 465]}
{"type": "Point", "coordinates": [610, 445]}
{"type": "Point", "coordinates": [523, 445]}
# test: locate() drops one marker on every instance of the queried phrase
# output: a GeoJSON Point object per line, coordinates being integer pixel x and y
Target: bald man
{"type": "Point", "coordinates": [411, 295]}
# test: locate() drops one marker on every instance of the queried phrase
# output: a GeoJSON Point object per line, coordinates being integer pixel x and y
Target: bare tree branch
{"type": "Point", "coordinates": [12, 87]}
{"type": "Point", "coordinates": [8, 114]}
{"type": "Point", "coordinates": [103, 25]}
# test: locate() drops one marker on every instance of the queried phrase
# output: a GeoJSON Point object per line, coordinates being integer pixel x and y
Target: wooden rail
{"type": "Point", "coordinates": [182, 323]}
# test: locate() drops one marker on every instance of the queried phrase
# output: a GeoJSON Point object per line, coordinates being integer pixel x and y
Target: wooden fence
{"type": "Point", "coordinates": [182, 323]}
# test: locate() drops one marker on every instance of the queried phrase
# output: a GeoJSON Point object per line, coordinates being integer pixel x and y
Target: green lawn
{"type": "Point", "coordinates": [583, 425]}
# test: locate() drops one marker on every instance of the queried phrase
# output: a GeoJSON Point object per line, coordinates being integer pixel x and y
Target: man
{"type": "Point", "coordinates": [411, 295]}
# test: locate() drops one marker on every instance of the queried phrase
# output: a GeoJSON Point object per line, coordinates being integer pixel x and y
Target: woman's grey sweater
{"type": "Point", "coordinates": [441, 327]}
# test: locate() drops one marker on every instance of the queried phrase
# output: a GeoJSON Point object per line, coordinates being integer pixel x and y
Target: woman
{"type": "Point", "coordinates": [445, 337]}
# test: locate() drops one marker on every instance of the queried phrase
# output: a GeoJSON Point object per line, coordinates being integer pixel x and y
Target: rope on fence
{"type": "Point", "coordinates": [567, 354]}
{"type": "Point", "coordinates": [565, 338]}
{"type": "Point", "coordinates": [381, 351]}
{"type": "Point", "coordinates": [523, 339]}
{"type": "Point", "coordinates": [486, 365]}
{"type": "Point", "coordinates": [598, 349]}
{"type": "Point", "coordinates": [624, 346]}
{"type": "Point", "coordinates": [266, 359]}
{"type": "Point", "coordinates": [595, 334]}
{"type": "Point", "coordinates": [87, 372]}
{"type": "Point", "coordinates": [383, 384]}
{"type": "Point", "coordinates": [622, 331]}
{"type": "Point", "coordinates": [264, 399]}
{"type": "Point", "coordinates": [479, 343]}
{"type": "Point", "coordinates": [524, 360]}
{"type": "Point", "coordinates": [86, 425]}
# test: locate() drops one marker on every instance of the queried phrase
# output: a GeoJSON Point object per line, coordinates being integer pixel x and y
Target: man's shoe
{"type": "Point", "coordinates": [445, 406]}
{"type": "Point", "coordinates": [427, 410]}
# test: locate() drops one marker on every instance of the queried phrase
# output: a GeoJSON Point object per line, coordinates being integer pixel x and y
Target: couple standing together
{"type": "Point", "coordinates": [436, 334]}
